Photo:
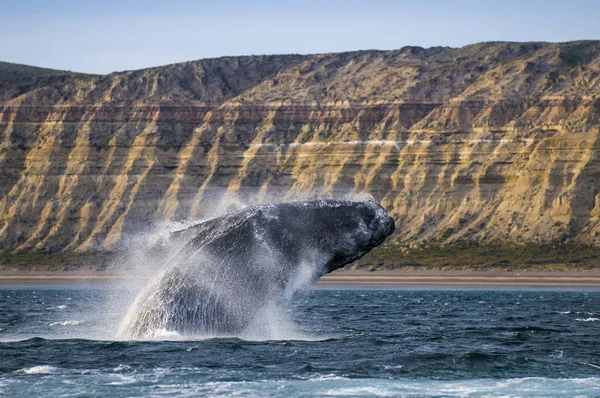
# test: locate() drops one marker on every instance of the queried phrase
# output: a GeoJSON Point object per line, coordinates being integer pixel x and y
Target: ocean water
{"type": "Point", "coordinates": [60, 341]}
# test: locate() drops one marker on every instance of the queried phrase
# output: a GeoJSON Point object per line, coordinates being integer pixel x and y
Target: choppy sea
{"type": "Point", "coordinates": [59, 341]}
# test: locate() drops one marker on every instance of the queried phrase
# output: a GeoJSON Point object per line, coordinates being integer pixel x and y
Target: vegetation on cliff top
{"type": "Point", "coordinates": [487, 257]}
{"type": "Point", "coordinates": [482, 71]}
{"type": "Point", "coordinates": [461, 256]}
{"type": "Point", "coordinates": [19, 72]}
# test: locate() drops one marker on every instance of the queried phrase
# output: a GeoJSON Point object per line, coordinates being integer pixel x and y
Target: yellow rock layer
{"type": "Point", "coordinates": [88, 185]}
{"type": "Point", "coordinates": [489, 142]}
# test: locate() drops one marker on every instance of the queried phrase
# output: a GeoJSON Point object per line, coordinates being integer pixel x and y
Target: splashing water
{"type": "Point", "coordinates": [235, 275]}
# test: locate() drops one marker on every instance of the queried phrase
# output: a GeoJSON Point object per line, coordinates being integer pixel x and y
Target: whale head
{"type": "Point", "coordinates": [370, 226]}
{"type": "Point", "coordinates": [335, 232]}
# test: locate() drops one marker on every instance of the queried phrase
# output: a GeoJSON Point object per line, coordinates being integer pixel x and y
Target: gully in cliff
{"type": "Point", "coordinates": [233, 266]}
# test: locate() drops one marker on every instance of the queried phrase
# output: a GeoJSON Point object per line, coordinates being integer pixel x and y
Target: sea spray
{"type": "Point", "coordinates": [192, 298]}
{"type": "Point", "coordinates": [222, 276]}
{"type": "Point", "coordinates": [144, 255]}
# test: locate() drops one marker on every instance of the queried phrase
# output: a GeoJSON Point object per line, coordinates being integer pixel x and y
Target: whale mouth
{"type": "Point", "coordinates": [378, 229]}
{"type": "Point", "coordinates": [382, 227]}
{"type": "Point", "coordinates": [379, 223]}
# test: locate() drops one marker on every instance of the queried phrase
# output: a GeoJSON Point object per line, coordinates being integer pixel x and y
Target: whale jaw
{"type": "Point", "coordinates": [378, 226]}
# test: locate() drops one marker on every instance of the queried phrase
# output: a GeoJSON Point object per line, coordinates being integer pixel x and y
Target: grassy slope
{"type": "Point", "coordinates": [56, 261]}
{"type": "Point", "coordinates": [487, 257]}
{"type": "Point", "coordinates": [460, 256]}
{"type": "Point", "coordinates": [17, 72]}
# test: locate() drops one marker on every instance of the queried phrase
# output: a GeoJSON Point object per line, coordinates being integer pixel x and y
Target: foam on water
{"type": "Point", "coordinates": [333, 387]}
{"type": "Point", "coordinates": [39, 369]}
{"type": "Point", "coordinates": [163, 334]}
{"type": "Point", "coordinates": [343, 387]}
{"type": "Point", "coordinates": [66, 323]}
{"type": "Point", "coordinates": [592, 365]}
{"type": "Point", "coordinates": [531, 387]}
{"type": "Point", "coordinates": [121, 380]}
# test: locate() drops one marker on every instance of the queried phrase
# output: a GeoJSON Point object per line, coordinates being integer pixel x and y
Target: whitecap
{"type": "Point", "coordinates": [232, 388]}
{"type": "Point", "coordinates": [164, 334]}
{"type": "Point", "coordinates": [122, 368]}
{"type": "Point", "coordinates": [358, 391]}
{"type": "Point", "coordinates": [328, 377]}
{"type": "Point", "coordinates": [66, 323]}
{"type": "Point", "coordinates": [591, 364]}
{"type": "Point", "coordinates": [39, 369]}
{"type": "Point", "coordinates": [122, 380]}
{"type": "Point", "coordinates": [387, 367]}
{"type": "Point", "coordinates": [588, 319]}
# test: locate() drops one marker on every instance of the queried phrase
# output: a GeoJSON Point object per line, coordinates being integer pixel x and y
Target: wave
{"type": "Point", "coordinates": [340, 386]}
{"type": "Point", "coordinates": [249, 335]}
{"type": "Point", "coordinates": [66, 323]}
{"type": "Point", "coordinates": [317, 385]}
{"type": "Point", "coordinates": [39, 369]}
{"type": "Point", "coordinates": [121, 380]}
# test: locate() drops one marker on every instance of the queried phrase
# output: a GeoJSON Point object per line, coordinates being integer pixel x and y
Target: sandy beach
{"type": "Point", "coordinates": [397, 279]}
{"type": "Point", "coordinates": [461, 279]}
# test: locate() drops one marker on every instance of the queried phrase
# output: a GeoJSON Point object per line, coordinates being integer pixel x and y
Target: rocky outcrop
{"type": "Point", "coordinates": [490, 142]}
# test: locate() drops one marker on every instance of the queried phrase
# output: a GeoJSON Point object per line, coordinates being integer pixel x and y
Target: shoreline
{"type": "Point", "coordinates": [354, 279]}
{"type": "Point", "coordinates": [438, 279]}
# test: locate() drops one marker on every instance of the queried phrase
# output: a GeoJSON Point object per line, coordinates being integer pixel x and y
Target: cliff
{"type": "Point", "coordinates": [485, 143]}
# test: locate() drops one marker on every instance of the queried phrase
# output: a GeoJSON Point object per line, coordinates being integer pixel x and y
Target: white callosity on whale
{"type": "Point", "coordinates": [233, 266]}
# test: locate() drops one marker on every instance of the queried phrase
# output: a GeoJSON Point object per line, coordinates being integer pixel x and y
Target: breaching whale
{"type": "Point", "coordinates": [231, 266]}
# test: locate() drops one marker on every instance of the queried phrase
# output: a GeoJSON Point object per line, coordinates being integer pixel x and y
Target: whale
{"type": "Point", "coordinates": [227, 268]}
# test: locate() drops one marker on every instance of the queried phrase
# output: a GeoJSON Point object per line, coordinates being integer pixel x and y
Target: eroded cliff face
{"type": "Point", "coordinates": [496, 141]}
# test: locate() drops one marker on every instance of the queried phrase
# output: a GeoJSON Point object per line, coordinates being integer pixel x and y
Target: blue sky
{"type": "Point", "coordinates": [114, 35]}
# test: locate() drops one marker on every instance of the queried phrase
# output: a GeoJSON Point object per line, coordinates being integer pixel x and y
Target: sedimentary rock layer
{"type": "Point", "coordinates": [496, 141]}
